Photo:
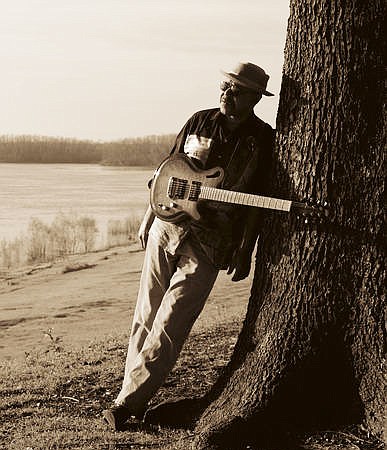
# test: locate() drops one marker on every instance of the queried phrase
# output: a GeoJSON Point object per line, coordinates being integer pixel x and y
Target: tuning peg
{"type": "Point", "coordinates": [322, 203]}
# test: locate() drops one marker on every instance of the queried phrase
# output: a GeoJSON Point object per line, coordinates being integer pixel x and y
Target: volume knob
{"type": "Point", "coordinates": [163, 207]}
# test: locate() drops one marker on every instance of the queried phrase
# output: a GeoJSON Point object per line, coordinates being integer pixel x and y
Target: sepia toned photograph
{"type": "Point", "coordinates": [192, 225]}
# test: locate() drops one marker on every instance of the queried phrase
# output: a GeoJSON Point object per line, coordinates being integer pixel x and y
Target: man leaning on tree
{"type": "Point", "coordinates": [182, 260]}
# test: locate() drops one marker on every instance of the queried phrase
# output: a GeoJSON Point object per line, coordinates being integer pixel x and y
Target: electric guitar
{"type": "Point", "coordinates": [178, 185]}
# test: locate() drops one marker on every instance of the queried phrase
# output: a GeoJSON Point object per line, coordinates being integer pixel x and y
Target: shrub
{"type": "Point", "coordinates": [12, 253]}
{"type": "Point", "coordinates": [120, 232]}
{"type": "Point", "coordinates": [66, 235]}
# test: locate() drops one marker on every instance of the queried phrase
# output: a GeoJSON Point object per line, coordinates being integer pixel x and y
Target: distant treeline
{"type": "Point", "coordinates": [144, 151]}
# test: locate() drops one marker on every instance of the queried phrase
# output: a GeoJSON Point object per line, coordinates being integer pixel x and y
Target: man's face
{"type": "Point", "coordinates": [236, 100]}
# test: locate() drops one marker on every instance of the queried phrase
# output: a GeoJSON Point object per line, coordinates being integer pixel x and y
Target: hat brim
{"type": "Point", "coordinates": [247, 83]}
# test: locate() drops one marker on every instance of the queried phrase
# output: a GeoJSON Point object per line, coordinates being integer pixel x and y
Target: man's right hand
{"type": "Point", "coordinates": [241, 264]}
{"type": "Point", "coordinates": [143, 231]}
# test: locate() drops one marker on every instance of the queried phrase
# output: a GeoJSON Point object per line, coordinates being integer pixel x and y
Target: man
{"type": "Point", "coordinates": [182, 260]}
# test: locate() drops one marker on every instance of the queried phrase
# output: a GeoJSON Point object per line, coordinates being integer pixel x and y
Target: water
{"type": "Point", "coordinates": [45, 190]}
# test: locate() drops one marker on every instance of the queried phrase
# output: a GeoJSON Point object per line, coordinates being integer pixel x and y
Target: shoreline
{"type": "Point", "coordinates": [94, 300]}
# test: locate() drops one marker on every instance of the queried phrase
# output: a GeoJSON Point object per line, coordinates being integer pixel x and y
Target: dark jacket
{"type": "Point", "coordinates": [245, 155]}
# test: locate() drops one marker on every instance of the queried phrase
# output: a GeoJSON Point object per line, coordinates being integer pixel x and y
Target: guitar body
{"type": "Point", "coordinates": [176, 185]}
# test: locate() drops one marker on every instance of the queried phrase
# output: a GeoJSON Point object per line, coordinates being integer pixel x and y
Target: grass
{"type": "Point", "coordinates": [53, 399]}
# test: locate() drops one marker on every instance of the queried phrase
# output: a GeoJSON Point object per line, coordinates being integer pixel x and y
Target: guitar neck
{"type": "Point", "coordinates": [241, 198]}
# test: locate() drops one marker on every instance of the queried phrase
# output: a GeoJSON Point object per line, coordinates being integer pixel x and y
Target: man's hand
{"type": "Point", "coordinates": [241, 259]}
{"type": "Point", "coordinates": [143, 233]}
{"type": "Point", "coordinates": [146, 223]}
{"type": "Point", "coordinates": [241, 263]}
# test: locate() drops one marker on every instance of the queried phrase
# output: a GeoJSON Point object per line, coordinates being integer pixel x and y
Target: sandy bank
{"type": "Point", "coordinates": [83, 305]}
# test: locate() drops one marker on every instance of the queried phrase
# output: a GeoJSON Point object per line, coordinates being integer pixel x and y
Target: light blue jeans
{"type": "Point", "coordinates": [177, 278]}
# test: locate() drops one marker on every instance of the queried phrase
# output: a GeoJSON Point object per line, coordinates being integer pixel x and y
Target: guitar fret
{"type": "Point", "coordinates": [242, 198]}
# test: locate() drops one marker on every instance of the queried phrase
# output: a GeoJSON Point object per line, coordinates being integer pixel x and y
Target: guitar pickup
{"type": "Point", "coordinates": [194, 191]}
{"type": "Point", "coordinates": [177, 188]}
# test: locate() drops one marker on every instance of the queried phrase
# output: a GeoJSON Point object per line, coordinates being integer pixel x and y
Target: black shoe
{"type": "Point", "coordinates": [116, 417]}
{"type": "Point", "coordinates": [181, 413]}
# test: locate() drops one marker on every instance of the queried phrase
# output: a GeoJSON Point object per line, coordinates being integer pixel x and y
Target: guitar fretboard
{"type": "Point", "coordinates": [241, 198]}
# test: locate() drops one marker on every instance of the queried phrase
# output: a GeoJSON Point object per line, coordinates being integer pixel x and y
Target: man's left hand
{"type": "Point", "coordinates": [241, 263]}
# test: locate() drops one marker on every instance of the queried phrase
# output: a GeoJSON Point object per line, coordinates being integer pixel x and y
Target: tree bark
{"type": "Point", "coordinates": [310, 353]}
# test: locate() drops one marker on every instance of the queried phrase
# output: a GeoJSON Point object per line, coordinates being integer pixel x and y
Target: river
{"type": "Point", "coordinates": [44, 190]}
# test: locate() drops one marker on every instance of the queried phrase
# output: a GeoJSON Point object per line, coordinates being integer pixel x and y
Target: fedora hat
{"type": "Point", "coordinates": [250, 76]}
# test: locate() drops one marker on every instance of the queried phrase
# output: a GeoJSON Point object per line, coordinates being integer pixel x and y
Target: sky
{"type": "Point", "coordinates": [111, 69]}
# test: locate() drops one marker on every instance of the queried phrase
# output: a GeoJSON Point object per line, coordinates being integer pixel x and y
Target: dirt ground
{"type": "Point", "coordinates": [87, 297]}
{"type": "Point", "coordinates": [84, 300]}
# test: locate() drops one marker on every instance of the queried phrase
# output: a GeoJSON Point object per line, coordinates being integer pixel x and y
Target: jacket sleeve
{"type": "Point", "coordinates": [249, 231]}
{"type": "Point", "coordinates": [182, 136]}
{"type": "Point", "coordinates": [262, 180]}
{"type": "Point", "coordinates": [178, 146]}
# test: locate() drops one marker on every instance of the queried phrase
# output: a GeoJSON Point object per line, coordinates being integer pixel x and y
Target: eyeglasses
{"type": "Point", "coordinates": [235, 89]}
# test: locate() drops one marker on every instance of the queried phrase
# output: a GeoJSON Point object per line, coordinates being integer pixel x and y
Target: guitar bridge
{"type": "Point", "coordinates": [177, 188]}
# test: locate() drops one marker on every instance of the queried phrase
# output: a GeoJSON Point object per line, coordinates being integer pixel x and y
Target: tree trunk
{"type": "Point", "coordinates": [310, 352]}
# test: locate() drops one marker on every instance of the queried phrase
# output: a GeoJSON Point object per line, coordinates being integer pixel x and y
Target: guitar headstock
{"type": "Point", "coordinates": [311, 210]}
